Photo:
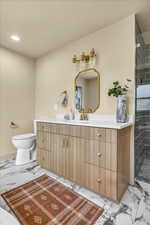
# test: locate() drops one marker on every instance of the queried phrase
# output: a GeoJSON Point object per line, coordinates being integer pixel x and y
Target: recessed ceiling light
{"type": "Point", "coordinates": [15, 37]}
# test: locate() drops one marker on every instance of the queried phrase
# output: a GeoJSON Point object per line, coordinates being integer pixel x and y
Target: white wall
{"type": "Point", "coordinates": [17, 87]}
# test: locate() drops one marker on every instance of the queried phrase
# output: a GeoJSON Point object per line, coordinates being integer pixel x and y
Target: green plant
{"type": "Point", "coordinates": [117, 89]}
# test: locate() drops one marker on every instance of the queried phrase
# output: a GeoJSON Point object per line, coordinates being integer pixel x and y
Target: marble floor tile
{"type": "Point", "coordinates": [144, 172]}
{"type": "Point", "coordinates": [134, 208]}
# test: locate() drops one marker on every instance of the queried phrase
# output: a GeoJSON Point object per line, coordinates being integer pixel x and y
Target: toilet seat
{"type": "Point", "coordinates": [24, 136]}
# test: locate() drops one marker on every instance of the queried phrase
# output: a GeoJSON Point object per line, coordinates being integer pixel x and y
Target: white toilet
{"type": "Point", "coordinates": [25, 144]}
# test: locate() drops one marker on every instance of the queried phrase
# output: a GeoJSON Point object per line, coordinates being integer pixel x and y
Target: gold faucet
{"type": "Point", "coordinates": [83, 115]}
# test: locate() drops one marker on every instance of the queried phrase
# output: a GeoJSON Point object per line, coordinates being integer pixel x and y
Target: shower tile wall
{"type": "Point", "coordinates": [139, 115]}
{"type": "Point", "coordinates": [148, 55]}
{"type": "Point", "coordinates": [142, 125]}
{"type": "Point", "coordinates": [146, 103]}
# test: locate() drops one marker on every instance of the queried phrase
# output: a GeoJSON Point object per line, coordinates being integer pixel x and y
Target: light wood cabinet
{"type": "Point", "coordinates": [95, 158]}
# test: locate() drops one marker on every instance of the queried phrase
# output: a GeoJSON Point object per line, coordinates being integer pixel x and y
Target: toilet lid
{"type": "Point", "coordinates": [24, 136]}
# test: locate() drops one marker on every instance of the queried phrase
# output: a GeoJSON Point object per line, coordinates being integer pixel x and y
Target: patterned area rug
{"type": "Point", "coordinates": [45, 201]}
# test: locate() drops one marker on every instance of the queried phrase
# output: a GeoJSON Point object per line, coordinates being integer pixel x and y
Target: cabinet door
{"type": "Point", "coordinates": [44, 159]}
{"type": "Point", "coordinates": [52, 144]}
{"type": "Point", "coordinates": [62, 155]}
{"type": "Point", "coordinates": [68, 158]}
{"type": "Point", "coordinates": [44, 140]}
{"type": "Point", "coordinates": [77, 149]}
{"type": "Point", "coordinates": [40, 139]}
{"type": "Point", "coordinates": [57, 153]}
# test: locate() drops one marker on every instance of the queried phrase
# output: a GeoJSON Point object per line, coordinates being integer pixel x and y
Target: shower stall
{"type": "Point", "coordinates": [142, 109]}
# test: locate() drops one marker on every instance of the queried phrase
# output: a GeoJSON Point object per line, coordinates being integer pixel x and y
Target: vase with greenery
{"type": "Point", "coordinates": [120, 92]}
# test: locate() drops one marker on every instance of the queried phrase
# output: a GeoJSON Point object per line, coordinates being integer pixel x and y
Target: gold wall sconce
{"type": "Point", "coordinates": [84, 57]}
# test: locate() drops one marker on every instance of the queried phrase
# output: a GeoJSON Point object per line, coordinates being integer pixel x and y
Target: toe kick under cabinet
{"type": "Point", "coordinates": [96, 158]}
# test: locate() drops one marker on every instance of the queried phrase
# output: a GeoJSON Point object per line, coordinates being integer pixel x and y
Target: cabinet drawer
{"type": "Point", "coordinates": [100, 180]}
{"type": "Point", "coordinates": [42, 126]}
{"type": "Point", "coordinates": [54, 128]}
{"type": "Point", "coordinates": [93, 133]}
{"type": "Point", "coordinates": [101, 154]}
{"type": "Point", "coordinates": [94, 153]}
{"type": "Point", "coordinates": [48, 127]}
{"type": "Point", "coordinates": [88, 132]}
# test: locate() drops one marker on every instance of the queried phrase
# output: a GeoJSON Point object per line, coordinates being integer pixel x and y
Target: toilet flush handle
{"type": "Point", "coordinates": [13, 125]}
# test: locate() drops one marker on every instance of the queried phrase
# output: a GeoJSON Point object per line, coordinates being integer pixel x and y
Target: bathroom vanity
{"type": "Point", "coordinates": [94, 155]}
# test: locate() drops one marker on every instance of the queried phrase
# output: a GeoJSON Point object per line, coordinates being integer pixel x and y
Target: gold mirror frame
{"type": "Point", "coordinates": [98, 84]}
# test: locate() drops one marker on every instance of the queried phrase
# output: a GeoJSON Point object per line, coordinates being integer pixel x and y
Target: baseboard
{"type": "Point", "coordinates": [8, 156]}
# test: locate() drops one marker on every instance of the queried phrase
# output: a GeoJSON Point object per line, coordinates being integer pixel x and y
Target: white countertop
{"type": "Point", "coordinates": [89, 123]}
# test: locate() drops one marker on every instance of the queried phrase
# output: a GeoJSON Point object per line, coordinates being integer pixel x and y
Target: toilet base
{"type": "Point", "coordinates": [23, 156]}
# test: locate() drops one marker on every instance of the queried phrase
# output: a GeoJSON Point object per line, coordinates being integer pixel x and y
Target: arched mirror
{"type": "Point", "coordinates": [87, 90]}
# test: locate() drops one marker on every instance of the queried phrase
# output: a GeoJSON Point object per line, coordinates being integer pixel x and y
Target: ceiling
{"type": "Point", "coordinates": [45, 25]}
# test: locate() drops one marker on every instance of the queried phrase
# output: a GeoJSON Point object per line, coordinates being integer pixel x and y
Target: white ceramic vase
{"type": "Point", "coordinates": [121, 114]}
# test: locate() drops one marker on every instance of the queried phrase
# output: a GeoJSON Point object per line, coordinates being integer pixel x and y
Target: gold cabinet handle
{"type": "Point", "coordinates": [99, 180]}
{"type": "Point", "coordinates": [64, 142]}
{"type": "Point", "coordinates": [99, 154]}
{"type": "Point", "coordinates": [67, 142]}
{"type": "Point", "coordinates": [98, 134]}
